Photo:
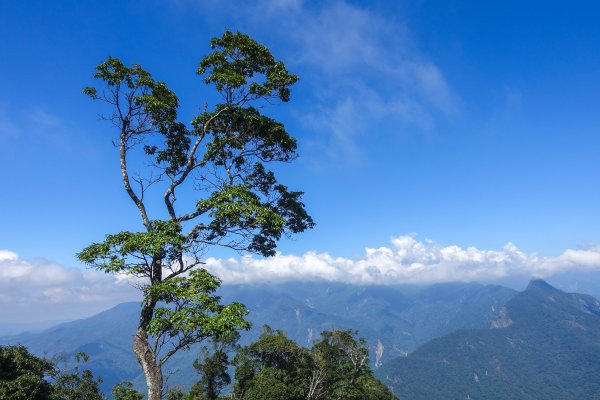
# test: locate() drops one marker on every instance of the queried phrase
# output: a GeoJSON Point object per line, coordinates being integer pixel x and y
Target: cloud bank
{"type": "Point", "coordinates": [406, 261]}
{"type": "Point", "coordinates": [42, 290]}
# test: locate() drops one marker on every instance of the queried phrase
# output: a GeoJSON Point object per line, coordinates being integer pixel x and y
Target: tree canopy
{"type": "Point", "coordinates": [24, 376]}
{"type": "Point", "coordinates": [336, 367]}
{"type": "Point", "coordinates": [213, 367]}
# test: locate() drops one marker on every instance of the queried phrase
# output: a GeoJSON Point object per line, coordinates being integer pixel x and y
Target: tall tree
{"type": "Point", "coordinates": [223, 158]}
{"type": "Point", "coordinates": [75, 383]}
{"type": "Point", "coordinates": [213, 366]}
{"type": "Point", "coordinates": [271, 368]}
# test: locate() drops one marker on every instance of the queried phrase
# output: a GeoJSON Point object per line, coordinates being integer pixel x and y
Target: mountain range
{"type": "Point", "coordinates": [395, 320]}
{"type": "Point", "coordinates": [544, 344]}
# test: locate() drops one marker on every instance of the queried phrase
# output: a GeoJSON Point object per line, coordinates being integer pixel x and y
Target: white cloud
{"type": "Point", "coordinates": [41, 290]}
{"type": "Point", "coordinates": [6, 255]}
{"type": "Point", "coordinates": [45, 291]}
{"type": "Point", "coordinates": [406, 261]}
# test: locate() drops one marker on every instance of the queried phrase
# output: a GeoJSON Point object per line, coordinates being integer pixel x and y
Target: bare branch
{"type": "Point", "coordinates": [190, 165]}
{"type": "Point", "coordinates": [127, 184]}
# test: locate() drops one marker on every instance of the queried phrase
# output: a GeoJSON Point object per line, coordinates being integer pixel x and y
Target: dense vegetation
{"type": "Point", "coordinates": [24, 376]}
{"type": "Point", "coordinates": [546, 345]}
{"type": "Point", "coordinates": [336, 367]}
{"type": "Point", "coordinates": [273, 367]}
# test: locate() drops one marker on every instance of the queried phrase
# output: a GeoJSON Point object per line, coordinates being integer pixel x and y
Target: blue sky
{"type": "Point", "coordinates": [457, 125]}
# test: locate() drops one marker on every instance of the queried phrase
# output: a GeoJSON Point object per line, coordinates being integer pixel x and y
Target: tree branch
{"type": "Point", "coordinates": [190, 166]}
{"type": "Point", "coordinates": [125, 177]}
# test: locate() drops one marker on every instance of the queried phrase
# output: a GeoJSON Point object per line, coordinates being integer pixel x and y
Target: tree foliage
{"type": "Point", "coordinates": [336, 367]}
{"type": "Point", "coordinates": [125, 391]}
{"type": "Point", "coordinates": [77, 383]}
{"type": "Point", "coordinates": [24, 376]}
{"type": "Point", "coordinates": [175, 394]}
{"type": "Point", "coordinates": [213, 366]}
{"type": "Point", "coordinates": [221, 159]}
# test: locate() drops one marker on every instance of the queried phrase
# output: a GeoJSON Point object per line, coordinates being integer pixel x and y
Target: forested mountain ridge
{"type": "Point", "coordinates": [544, 345]}
{"type": "Point", "coordinates": [393, 320]}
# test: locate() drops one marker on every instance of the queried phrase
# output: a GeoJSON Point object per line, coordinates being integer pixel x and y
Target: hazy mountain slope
{"type": "Point", "coordinates": [400, 318]}
{"type": "Point", "coordinates": [105, 337]}
{"type": "Point", "coordinates": [545, 345]}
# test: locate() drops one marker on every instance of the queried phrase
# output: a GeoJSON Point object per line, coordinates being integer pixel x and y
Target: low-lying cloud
{"type": "Point", "coordinates": [41, 290]}
{"type": "Point", "coordinates": [406, 261]}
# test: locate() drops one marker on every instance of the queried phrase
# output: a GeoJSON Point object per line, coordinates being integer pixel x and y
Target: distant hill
{"type": "Point", "coordinates": [399, 318]}
{"type": "Point", "coordinates": [545, 344]}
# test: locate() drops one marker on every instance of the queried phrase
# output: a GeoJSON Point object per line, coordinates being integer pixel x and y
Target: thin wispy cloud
{"type": "Point", "coordinates": [362, 72]}
{"type": "Point", "coordinates": [507, 113]}
{"type": "Point", "coordinates": [34, 122]}
{"type": "Point", "coordinates": [43, 118]}
{"type": "Point", "coordinates": [8, 127]}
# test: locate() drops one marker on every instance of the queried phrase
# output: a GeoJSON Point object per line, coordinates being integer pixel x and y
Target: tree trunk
{"type": "Point", "coordinates": [145, 355]}
{"type": "Point", "coordinates": [152, 370]}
